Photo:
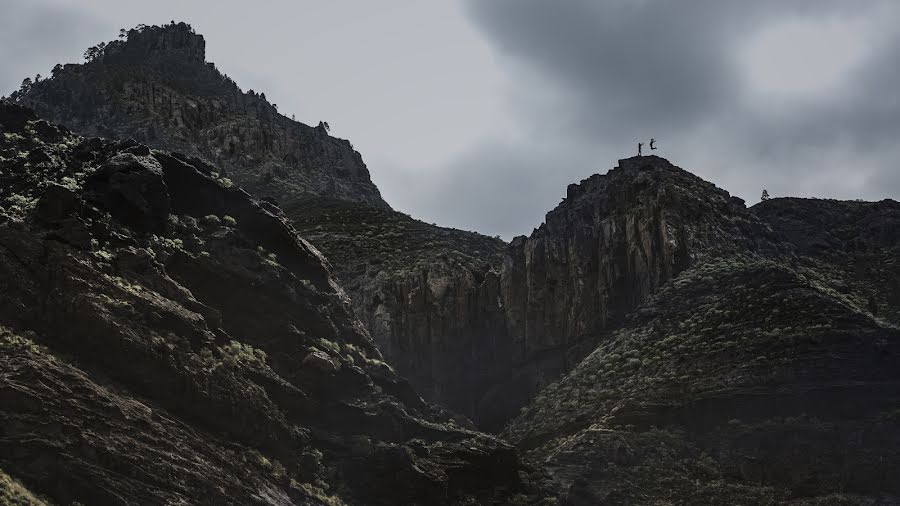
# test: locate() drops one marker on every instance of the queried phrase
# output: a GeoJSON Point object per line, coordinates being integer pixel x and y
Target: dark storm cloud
{"type": "Point", "coordinates": [604, 74]}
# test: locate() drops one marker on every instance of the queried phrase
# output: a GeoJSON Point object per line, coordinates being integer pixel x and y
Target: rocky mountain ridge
{"type": "Point", "coordinates": [653, 342]}
{"type": "Point", "coordinates": [167, 339]}
{"type": "Point", "coordinates": [156, 87]}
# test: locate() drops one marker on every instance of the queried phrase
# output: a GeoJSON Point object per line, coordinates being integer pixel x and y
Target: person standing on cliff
{"type": "Point", "coordinates": [640, 146]}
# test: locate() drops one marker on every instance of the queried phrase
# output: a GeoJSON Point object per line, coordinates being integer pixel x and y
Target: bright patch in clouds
{"type": "Point", "coordinates": [804, 56]}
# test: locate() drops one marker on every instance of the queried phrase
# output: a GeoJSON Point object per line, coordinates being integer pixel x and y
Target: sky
{"type": "Point", "coordinates": [477, 114]}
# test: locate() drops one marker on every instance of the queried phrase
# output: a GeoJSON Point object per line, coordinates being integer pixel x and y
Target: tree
{"type": "Point", "coordinates": [122, 33]}
{"type": "Point", "coordinates": [26, 85]}
{"type": "Point", "coordinates": [327, 127]}
{"type": "Point", "coordinates": [95, 52]}
{"type": "Point", "coordinates": [56, 70]}
{"type": "Point", "coordinates": [765, 195]}
{"type": "Point", "coordinates": [37, 78]}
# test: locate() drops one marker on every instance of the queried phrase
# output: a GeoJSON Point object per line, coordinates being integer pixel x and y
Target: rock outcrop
{"type": "Point", "coordinates": [481, 326]}
{"type": "Point", "coordinates": [744, 380]}
{"type": "Point", "coordinates": [166, 339]}
{"type": "Point", "coordinates": [155, 86]}
{"type": "Point", "coordinates": [430, 296]}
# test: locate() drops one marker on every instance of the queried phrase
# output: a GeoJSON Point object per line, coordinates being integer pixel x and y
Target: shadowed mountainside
{"type": "Point", "coordinates": [750, 378]}
{"type": "Point", "coordinates": [166, 339]}
{"type": "Point", "coordinates": [156, 87]}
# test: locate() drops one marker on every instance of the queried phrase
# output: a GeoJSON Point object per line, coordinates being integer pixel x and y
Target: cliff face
{"type": "Point", "coordinates": [612, 242]}
{"type": "Point", "coordinates": [742, 381]}
{"type": "Point", "coordinates": [156, 87]}
{"type": "Point", "coordinates": [430, 296]}
{"type": "Point", "coordinates": [481, 326]}
{"type": "Point", "coordinates": [765, 371]}
{"type": "Point", "coordinates": [166, 339]}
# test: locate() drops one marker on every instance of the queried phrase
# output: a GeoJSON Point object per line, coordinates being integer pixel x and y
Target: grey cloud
{"type": "Point", "coordinates": [35, 36]}
{"type": "Point", "coordinates": [609, 73]}
{"type": "Point", "coordinates": [499, 188]}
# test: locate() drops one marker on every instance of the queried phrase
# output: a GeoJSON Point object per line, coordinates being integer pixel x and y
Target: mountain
{"type": "Point", "coordinates": [756, 376]}
{"type": "Point", "coordinates": [474, 323]}
{"type": "Point", "coordinates": [167, 339]}
{"type": "Point", "coordinates": [654, 341]}
{"type": "Point", "coordinates": [156, 87]}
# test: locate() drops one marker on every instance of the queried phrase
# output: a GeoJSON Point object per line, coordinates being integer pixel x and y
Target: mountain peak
{"type": "Point", "coordinates": [142, 43]}
{"type": "Point", "coordinates": [153, 85]}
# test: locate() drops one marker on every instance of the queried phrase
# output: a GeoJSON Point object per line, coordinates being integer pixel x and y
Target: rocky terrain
{"type": "Point", "coordinates": [419, 288]}
{"type": "Point", "coordinates": [155, 86]}
{"type": "Point", "coordinates": [166, 339]}
{"type": "Point", "coordinates": [753, 377]}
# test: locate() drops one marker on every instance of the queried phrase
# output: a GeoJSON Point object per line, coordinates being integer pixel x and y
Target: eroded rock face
{"type": "Point", "coordinates": [482, 326]}
{"type": "Point", "coordinates": [430, 296]}
{"type": "Point", "coordinates": [156, 87]}
{"type": "Point", "coordinates": [166, 339]}
{"type": "Point", "coordinates": [612, 242]}
{"type": "Point", "coordinates": [742, 381]}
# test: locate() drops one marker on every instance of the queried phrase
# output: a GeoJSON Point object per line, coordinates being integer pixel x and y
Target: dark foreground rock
{"type": "Point", "coordinates": [165, 339]}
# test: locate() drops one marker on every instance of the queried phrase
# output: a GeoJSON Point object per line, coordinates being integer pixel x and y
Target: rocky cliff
{"type": "Point", "coordinates": [613, 241]}
{"type": "Point", "coordinates": [482, 326]}
{"type": "Point", "coordinates": [156, 87]}
{"type": "Point", "coordinates": [428, 295]}
{"type": "Point", "coordinates": [167, 339]}
{"type": "Point", "coordinates": [765, 373]}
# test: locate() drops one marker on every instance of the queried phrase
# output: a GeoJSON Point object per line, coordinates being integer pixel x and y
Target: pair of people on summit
{"type": "Point", "coordinates": [641, 145]}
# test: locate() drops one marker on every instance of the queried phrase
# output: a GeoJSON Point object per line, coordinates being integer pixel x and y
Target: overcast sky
{"type": "Point", "coordinates": [478, 114]}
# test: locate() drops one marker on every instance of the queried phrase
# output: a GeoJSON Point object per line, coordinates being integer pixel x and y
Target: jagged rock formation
{"type": "Point", "coordinates": [166, 339]}
{"type": "Point", "coordinates": [708, 353]}
{"type": "Point", "coordinates": [483, 327]}
{"type": "Point", "coordinates": [754, 376]}
{"type": "Point", "coordinates": [430, 296]}
{"type": "Point", "coordinates": [612, 242]}
{"type": "Point", "coordinates": [156, 87]}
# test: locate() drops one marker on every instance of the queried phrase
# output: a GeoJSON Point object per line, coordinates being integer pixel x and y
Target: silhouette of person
{"type": "Point", "coordinates": [640, 145]}
{"type": "Point", "coordinates": [652, 141]}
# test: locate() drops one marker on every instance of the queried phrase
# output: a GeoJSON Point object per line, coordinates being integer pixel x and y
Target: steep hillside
{"type": "Point", "coordinates": [165, 339]}
{"type": "Point", "coordinates": [613, 241]}
{"type": "Point", "coordinates": [483, 326]}
{"type": "Point", "coordinates": [852, 247]}
{"type": "Point", "coordinates": [420, 289]}
{"type": "Point", "coordinates": [747, 379]}
{"type": "Point", "coordinates": [156, 87]}
{"type": "Point", "coordinates": [430, 296]}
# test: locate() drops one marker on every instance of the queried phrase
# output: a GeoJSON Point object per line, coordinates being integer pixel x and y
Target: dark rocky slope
{"type": "Point", "coordinates": [852, 247]}
{"type": "Point", "coordinates": [427, 294]}
{"type": "Point", "coordinates": [613, 241]}
{"type": "Point", "coordinates": [482, 326]}
{"type": "Point", "coordinates": [755, 376]}
{"type": "Point", "coordinates": [430, 296]}
{"type": "Point", "coordinates": [165, 339]}
{"type": "Point", "coordinates": [156, 87]}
